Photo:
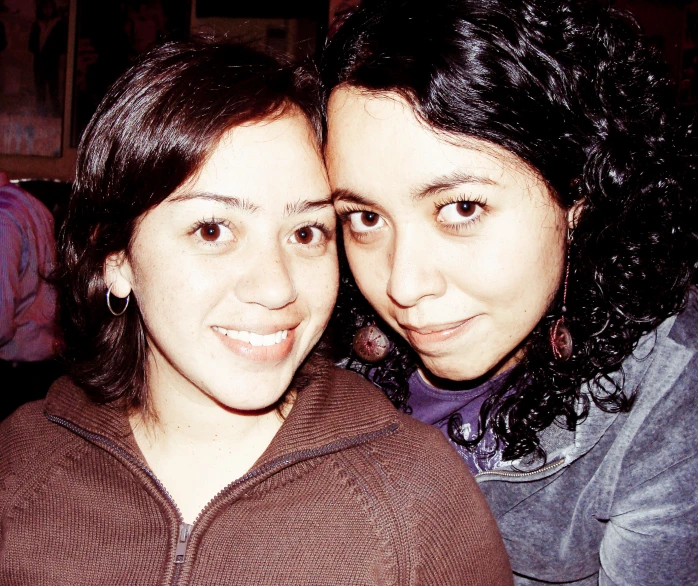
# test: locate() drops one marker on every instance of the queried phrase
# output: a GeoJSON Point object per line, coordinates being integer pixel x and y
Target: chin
{"type": "Point", "coordinates": [259, 399]}
{"type": "Point", "coordinates": [450, 372]}
{"type": "Point", "coordinates": [250, 407]}
{"type": "Point", "coordinates": [463, 369]}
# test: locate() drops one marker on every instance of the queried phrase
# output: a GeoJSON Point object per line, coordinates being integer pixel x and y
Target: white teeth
{"type": "Point", "coordinates": [252, 338]}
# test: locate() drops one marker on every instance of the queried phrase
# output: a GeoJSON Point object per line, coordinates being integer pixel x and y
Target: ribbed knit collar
{"type": "Point", "coordinates": [335, 406]}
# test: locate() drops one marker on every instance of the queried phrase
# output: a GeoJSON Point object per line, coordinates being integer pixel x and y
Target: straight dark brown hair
{"type": "Point", "coordinates": [154, 130]}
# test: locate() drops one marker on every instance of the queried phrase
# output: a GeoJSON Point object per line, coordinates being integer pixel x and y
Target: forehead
{"type": "Point", "coordinates": [277, 154]}
{"type": "Point", "coordinates": [378, 135]}
{"type": "Point", "coordinates": [382, 128]}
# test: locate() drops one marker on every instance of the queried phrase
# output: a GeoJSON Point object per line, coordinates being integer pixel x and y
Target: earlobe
{"type": "Point", "coordinates": [117, 274]}
{"type": "Point", "coordinates": [574, 214]}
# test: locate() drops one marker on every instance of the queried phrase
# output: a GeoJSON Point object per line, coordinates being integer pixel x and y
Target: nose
{"type": "Point", "coordinates": [267, 280]}
{"type": "Point", "coordinates": [414, 270]}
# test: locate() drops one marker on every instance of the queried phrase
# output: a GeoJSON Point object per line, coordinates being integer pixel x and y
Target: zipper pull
{"type": "Point", "coordinates": [183, 539]}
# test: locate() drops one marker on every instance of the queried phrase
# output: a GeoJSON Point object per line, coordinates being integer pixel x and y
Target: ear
{"type": "Point", "coordinates": [118, 274]}
{"type": "Point", "coordinates": [574, 214]}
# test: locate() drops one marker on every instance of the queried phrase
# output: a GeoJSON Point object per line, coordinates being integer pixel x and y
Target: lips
{"type": "Point", "coordinates": [257, 346]}
{"type": "Point", "coordinates": [253, 338]}
{"type": "Point", "coordinates": [430, 337]}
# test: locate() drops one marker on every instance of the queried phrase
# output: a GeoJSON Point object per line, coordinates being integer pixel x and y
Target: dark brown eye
{"type": "Point", "coordinates": [466, 208]}
{"type": "Point", "coordinates": [210, 232]}
{"type": "Point", "coordinates": [460, 213]}
{"type": "Point", "coordinates": [304, 235]}
{"type": "Point", "coordinates": [369, 219]}
{"type": "Point", "coordinates": [365, 222]}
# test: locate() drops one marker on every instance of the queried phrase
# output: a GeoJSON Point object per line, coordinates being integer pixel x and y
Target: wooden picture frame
{"type": "Point", "coordinates": [688, 81]}
{"type": "Point", "coordinates": [33, 49]}
{"type": "Point", "coordinates": [110, 34]}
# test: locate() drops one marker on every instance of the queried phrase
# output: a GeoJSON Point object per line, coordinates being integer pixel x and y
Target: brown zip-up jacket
{"type": "Point", "coordinates": [349, 492]}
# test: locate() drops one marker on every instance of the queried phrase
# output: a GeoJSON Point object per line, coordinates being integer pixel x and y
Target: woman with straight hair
{"type": "Point", "coordinates": [199, 438]}
{"type": "Point", "coordinates": [517, 192]}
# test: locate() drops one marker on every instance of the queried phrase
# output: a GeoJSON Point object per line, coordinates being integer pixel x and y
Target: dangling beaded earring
{"type": "Point", "coordinates": [560, 336]}
{"type": "Point", "coordinates": [371, 344]}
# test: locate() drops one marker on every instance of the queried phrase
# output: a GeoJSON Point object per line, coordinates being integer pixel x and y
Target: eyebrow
{"type": "Point", "coordinates": [440, 184]}
{"type": "Point", "coordinates": [228, 201]}
{"type": "Point", "coordinates": [306, 205]}
{"type": "Point", "coordinates": [350, 196]}
{"type": "Point", "coordinates": [235, 203]}
{"type": "Point", "coordinates": [448, 182]}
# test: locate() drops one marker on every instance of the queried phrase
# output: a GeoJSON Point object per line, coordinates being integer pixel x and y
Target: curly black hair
{"type": "Point", "coordinates": [570, 87]}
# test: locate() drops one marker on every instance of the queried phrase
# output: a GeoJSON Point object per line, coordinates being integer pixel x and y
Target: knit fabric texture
{"type": "Point", "coordinates": [348, 492]}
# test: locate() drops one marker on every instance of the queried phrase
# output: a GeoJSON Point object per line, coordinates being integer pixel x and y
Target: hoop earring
{"type": "Point", "coordinates": [114, 313]}
{"type": "Point", "coordinates": [560, 335]}
{"type": "Point", "coordinates": [371, 344]}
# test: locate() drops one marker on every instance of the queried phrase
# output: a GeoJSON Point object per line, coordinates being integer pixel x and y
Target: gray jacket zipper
{"type": "Point", "coordinates": [514, 474]}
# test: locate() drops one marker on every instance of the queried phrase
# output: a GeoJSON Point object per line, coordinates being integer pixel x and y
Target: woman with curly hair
{"type": "Point", "coordinates": [518, 199]}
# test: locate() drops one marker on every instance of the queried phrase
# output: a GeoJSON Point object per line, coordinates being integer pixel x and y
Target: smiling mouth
{"type": "Point", "coordinates": [253, 338]}
{"type": "Point", "coordinates": [430, 337]}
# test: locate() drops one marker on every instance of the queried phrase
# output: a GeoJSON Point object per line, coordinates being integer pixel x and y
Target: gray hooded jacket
{"type": "Point", "coordinates": [617, 502]}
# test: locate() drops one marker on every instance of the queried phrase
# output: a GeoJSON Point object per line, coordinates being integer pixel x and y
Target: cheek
{"type": "Point", "coordinates": [175, 286]}
{"type": "Point", "coordinates": [521, 268]}
{"type": "Point", "coordinates": [369, 266]}
{"type": "Point", "coordinates": [318, 282]}
{"type": "Point", "coordinates": [525, 299]}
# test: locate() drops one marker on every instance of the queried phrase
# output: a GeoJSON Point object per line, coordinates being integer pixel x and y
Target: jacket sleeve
{"type": "Point", "coordinates": [651, 535]}
{"type": "Point", "coordinates": [456, 536]}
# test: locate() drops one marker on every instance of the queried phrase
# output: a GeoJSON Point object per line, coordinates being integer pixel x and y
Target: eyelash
{"type": "Point", "coordinates": [458, 228]}
{"type": "Point", "coordinates": [468, 224]}
{"type": "Point", "coordinates": [326, 233]}
{"type": "Point", "coordinates": [212, 221]}
{"type": "Point", "coordinates": [344, 218]}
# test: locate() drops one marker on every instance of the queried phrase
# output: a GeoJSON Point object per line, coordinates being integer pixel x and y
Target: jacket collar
{"type": "Point", "coordinates": [563, 446]}
{"type": "Point", "coordinates": [335, 407]}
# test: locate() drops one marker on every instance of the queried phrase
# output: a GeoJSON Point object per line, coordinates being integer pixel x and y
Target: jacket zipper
{"type": "Point", "coordinates": [186, 529]}
{"type": "Point", "coordinates": [181, 550]}
{"type": "Point", "coordinates": [510, 473]}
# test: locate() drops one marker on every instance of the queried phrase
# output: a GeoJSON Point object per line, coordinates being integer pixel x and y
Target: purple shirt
{"type": "Point", "coordinates": [27, 302]}
{"type": "Point", "coordinates": [435, 407]}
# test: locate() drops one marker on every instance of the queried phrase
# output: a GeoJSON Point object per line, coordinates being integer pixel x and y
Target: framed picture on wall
{"type": "Point", "coordinates": [33, 46]}
{"type": "Point", "coordinates": [110, 35]}
{"type": "Point", "coordinates": [688, 85]}
{"type": "Point", "coordinates": [296, 28]}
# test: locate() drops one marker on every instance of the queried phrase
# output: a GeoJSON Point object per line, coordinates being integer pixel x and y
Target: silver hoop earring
{"type": "Point", "coordinates": [114, 313]}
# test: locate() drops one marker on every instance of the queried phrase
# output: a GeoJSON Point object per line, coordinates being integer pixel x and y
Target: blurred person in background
{"type": "Point", "coordinates": [28, 335]}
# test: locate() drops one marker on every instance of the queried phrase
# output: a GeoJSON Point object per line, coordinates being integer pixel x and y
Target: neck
{"type": "Point", "coordinates": [182, 414]}
{"type": "Point", "coordinates": [196, 447]}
